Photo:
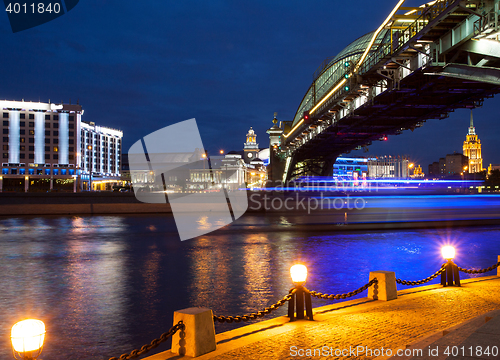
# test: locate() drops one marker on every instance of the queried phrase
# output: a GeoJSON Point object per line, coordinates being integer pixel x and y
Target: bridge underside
{"type": "Point", "coordinates": [429, 93]}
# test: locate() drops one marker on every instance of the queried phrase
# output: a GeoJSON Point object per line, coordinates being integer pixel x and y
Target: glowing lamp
{"type": "Point", "coordinates": [298, 273]}
{"type": "Point", "coordinates": [221, 151]}
{"type": "Point", "coordinates": [27, 338]}
{"type": "Point", "coordinates": [448, 252]}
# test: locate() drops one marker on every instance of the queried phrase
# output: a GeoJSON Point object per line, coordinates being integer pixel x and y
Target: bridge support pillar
{"type": "Point", "coordinates": [275, 167]}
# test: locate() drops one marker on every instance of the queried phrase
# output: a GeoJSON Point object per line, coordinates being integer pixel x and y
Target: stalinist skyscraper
{"type": "Point", "coordinates": [472, 149]}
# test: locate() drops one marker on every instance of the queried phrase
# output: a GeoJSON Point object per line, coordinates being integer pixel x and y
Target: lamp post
{"type": "Point", "coordinates": [27, 339]}
{"type": "Point", "coordinates": [300, 294]}
{"type": "Point", "coordinates": [451, 274]}
{"type": "Point", "coordinates": [91, 167]}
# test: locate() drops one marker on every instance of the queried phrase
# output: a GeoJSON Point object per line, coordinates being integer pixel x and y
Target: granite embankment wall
{"type": "Point", "coordinates": [76, 204]}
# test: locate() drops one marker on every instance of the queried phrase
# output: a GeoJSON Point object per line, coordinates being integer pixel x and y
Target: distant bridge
{"type": "Point", "coordinates": [421, 63]}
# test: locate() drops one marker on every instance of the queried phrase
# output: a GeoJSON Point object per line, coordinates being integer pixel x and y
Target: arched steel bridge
{"type": "Point", "coordinates": [421, 63]}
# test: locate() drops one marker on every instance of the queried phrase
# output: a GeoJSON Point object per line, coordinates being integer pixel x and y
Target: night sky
{"type": "Point", "coordinates": [139, 66]}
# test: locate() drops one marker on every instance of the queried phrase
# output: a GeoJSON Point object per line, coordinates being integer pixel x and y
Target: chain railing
{"type": "Point", "coordinates": [480, 271]}
{"type": "Point", "coordinates": [148, 347]}
{"type": "Point", "coordinates": [253, 316]}
{"type": "Point", "coordinates": [343, 296]}
{"type": "Point", "coordinates": [423, 281]}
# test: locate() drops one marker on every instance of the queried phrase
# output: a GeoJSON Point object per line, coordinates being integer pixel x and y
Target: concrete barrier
{"type": "Point", "coordinates": [385, 289]}
{"type": "Point", "coordinates": [198, 336]}
{"type": "Point", "coordinates": [84, 209]}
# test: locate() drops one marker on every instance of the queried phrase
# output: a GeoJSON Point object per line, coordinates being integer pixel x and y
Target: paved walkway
{"type": "Point", "coordinates": [422, 318]}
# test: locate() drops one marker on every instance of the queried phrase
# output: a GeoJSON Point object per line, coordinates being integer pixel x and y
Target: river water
{"type": "Point", "coordinates": [105, 285]}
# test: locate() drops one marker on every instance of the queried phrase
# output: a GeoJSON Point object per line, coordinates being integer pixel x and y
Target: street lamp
{"type": "Point", "coordinates": [298, 273]}
{"type": "Point", "coordinates": [91, 167]}
{"type": "Point", "coordinates": [451, 274]}
{"type": "Point", "coordinates": [300, 294]}
{"type": "Point", "coordinates": [221, 152]}
{"type": "Point", "coordinates": [27, 339]}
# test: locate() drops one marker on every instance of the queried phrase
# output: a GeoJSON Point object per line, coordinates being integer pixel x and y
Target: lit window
{"type": "Point", "coordinates": [56, 149]}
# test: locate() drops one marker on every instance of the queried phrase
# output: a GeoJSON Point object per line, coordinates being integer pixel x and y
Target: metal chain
{"type": "Point", "coordinates": [135, 353]}
{"type": "Point", "coordinates": [423, 281]}
{"type": "Point", "coordinates": [252, 316]}
{"type": "Point", "coordinates": [481, 271]}
{"type": "Point", "coordinates": [343, 296]}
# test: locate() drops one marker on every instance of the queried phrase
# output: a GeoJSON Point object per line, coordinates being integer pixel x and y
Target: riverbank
{"type": "Point", "coordinates": [88, 203]}
{"type": "Point", "coordinates": [421, 319]}
{"type": "Point", "coordinates": [281, 213]}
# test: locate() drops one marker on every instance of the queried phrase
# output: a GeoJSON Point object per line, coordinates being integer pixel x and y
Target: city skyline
{"type": "Point", "coordinates": [229, 65]}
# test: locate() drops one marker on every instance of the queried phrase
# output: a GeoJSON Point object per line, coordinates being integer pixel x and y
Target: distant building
{"type": "Point", "coordinates": [442, 166]}
{"type": "Point", "coordinates": [347, 167]}
{"type": "Point", "coordinates": [372, 167]}
{"type": "Point", "coordinates": [434, 170]}
{"type": "Point", "coordinates": [250, 148]}
{"type": "Point", "coordinates": [456, 164]}
{"type": "Point", "coordinates": [44, 147]}
{"type": "Point", "coordinates": [106, 149]}
{"type": "Point", "coordinates": [418, 172]}
{"type": "Point", "coordinates": [472, 150]}
{"type": "Point", "coordinates": [493, 167]}
{"type": "Point", "coordinates": [389, 167]}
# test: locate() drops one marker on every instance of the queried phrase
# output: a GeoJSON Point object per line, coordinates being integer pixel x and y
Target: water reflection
{"type": "Point", "coordinates": [106, 285]}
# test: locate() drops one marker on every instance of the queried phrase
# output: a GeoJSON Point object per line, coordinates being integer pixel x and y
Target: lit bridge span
{"type": "Point", "coordinates": [421, 63]}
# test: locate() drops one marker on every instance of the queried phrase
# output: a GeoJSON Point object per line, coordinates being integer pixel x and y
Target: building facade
{"type": "Point", "coordinates": [472, 149]}
{"type": "Point", "coordinates": [100, 149]}
{"type": "Point", "coordinates": [456, 164]}
{"type": "Point", "coordinates": [389, 167]}
{"type": "Point", "coordinates": [43, 147]}
{"type": "Point", "coordinates": [250, 148]}
{"type": "Point", "coordinates": [351, 167]}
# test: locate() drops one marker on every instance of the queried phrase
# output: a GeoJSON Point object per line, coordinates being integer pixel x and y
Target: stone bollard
{"type": "Point", "coordinates": [385, 289]}
{"type": "Point", "coordinates": [198, 336]}
{"type": "Point", "coordinates": [498, 268]}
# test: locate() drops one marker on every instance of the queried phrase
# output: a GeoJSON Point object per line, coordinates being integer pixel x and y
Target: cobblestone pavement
{"type": "Point", "coordinates": [370, 325]}
{"type": "Point", "coordinates": [390, 325]}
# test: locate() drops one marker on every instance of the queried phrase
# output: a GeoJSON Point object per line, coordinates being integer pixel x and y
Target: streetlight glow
{"type": "Point", "coordinates": [298, 272]}
{"type": "Point", "coordinates": [448, 252]}
{"type": "Point", "coordinates": [27, 336]}
{"type": "Point", "coordinates": [221, 152]}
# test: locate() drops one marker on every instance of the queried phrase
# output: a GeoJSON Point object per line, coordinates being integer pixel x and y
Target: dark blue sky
{"type": "Point", "coordinates": [141, 65]}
